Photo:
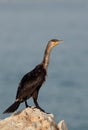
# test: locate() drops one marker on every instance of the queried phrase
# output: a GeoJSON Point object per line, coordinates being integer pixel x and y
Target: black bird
{"type": "Point", "coordinates": [31, 82]}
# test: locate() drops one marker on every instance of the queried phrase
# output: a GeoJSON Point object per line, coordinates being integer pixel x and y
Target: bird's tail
{"type": "Point", "coordinates": [12, 108]}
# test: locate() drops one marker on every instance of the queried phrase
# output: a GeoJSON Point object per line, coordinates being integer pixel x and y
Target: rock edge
{"type": "Point", "coordinates": [31, 119]}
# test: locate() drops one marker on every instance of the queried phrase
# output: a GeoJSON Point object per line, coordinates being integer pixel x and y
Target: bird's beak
{"type": "Point", "coordinates": [58, 42]}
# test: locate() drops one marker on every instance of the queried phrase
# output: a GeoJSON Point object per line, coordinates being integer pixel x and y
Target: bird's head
{"type": "Point", "coordinates": [52, 43]}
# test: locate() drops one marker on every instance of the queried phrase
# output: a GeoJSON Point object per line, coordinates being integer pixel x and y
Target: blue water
{"type": "Point", "coordinates": [25, 28]}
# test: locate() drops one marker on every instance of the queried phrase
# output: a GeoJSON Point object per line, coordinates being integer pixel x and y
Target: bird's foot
{"type": "Point", "coordinates": [40, 108]}
{"type": "Point", "coordinates": [26, 104]}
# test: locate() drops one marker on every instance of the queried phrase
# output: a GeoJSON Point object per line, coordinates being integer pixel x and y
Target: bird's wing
{"type": "Point", "coordinates": [30, 82]}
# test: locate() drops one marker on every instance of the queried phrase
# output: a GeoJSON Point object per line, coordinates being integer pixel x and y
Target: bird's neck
{"type": "Point", "coordinates": [46, 57]}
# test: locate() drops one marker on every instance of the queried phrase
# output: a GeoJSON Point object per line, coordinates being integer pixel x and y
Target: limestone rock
{"type": "Point", "coordinates": [62, 125]}
{"type": "Point", "coordinates": [30, 119]}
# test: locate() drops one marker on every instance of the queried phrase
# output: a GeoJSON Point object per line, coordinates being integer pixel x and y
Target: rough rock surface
{"type": "Point", "coordinates": [31, 119]}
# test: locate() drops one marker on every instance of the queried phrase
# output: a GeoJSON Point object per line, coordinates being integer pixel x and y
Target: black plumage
{"type": "Point", "coordinates": [31, 82]}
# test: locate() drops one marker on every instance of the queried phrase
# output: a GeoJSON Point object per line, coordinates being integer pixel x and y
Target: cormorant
{"type": "Point", "coordinates": [32, 81]}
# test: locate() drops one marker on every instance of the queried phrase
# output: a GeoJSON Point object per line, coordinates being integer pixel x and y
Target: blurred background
{"type": "Point", "coordinates": [25, 28]}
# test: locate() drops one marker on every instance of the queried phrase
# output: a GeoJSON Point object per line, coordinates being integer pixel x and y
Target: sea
{"type": "Point", "coordinates": [25, 29]}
